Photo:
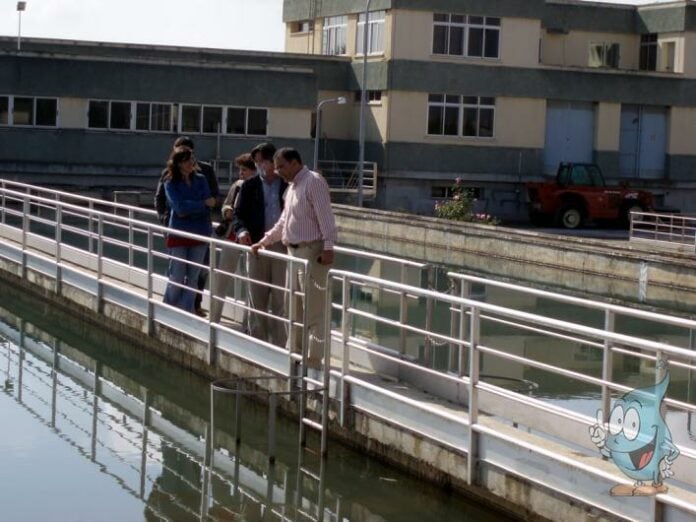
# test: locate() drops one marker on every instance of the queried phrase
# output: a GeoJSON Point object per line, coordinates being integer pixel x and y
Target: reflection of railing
{"type": "Point", "coordinates": [667, 230]}
{"type": "Point", "coordinates": [446, 354]}
{"type": "Point", "coordinates": [107, 411]}
{"type": "Point", "coordinates": [343, 176]}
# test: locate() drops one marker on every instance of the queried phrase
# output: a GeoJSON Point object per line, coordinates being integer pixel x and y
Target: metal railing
{"type": "Point", "coordinates": [342, 176]}
{"type": "Point", "coordinates": [667, 230]}
{"type": "Point", "coordinates": [446, 352]}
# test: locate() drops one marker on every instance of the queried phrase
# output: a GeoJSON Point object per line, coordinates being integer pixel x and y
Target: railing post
{"type": "Point", "coordinates": [607, 364]}
{"type": "Point", "coordinates": [26, 223]}
{"type": "Point", "coordinates": [131, 238]}
{"type": "Point", "coordinates": [100, 264]}
{"type": "Point", "coordinates": [464, 293]}
{"type": "Point", "coordinates": [428, 344]}
{"type": "Point", "coordinates": [345, 358]}
{"type": "Point", "coordinates": [212, 331]}
{"type": "Point", "coordinates": [90, 228]}
{"type": "Point", "coordinates": [403, 313]}
{"type": "Point", "coordinates": [292, 285]}
{"type": "Point", "coordinates": [472, 456]}
{"type": "Point", "coordinates": [59, 238]}
{"type": "Point", "coordinates": [150, 265]}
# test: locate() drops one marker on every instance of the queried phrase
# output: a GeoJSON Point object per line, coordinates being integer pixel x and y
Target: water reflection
{"type": "Point", "coordinates": [130, 437]}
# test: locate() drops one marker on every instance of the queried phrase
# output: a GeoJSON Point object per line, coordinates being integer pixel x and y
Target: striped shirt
{"type": "Point", "coordinates": [307, 215]}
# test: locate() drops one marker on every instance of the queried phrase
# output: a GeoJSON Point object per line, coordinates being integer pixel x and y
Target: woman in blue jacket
{"type": "Point", "coordinates": [189, 199]}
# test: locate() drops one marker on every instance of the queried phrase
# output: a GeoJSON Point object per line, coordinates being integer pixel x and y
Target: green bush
{"type": "Point", "coordinates": [461, 207]}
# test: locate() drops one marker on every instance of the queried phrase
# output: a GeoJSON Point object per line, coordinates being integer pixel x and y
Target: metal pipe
{"type": "Point", "coordinates": [341, 100]}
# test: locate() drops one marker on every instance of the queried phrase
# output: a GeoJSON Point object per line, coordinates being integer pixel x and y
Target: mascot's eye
{"type": "Point", "coordinates": [616, 420]}
{"type": "Point", "coordinates": [631, 424]}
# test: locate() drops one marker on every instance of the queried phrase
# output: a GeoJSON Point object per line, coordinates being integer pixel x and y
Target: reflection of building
{"type": "Point", "coordinates": [495, 92]}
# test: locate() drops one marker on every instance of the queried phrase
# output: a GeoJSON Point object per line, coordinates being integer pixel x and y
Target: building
{"type": "Point", "coordinates": [496, 92]}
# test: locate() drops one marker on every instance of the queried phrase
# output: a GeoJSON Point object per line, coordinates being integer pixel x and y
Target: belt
{"type": "Point", "coordinates": [302, 243]}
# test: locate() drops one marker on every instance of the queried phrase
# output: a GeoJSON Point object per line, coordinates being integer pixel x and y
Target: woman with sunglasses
{"type": "Point", "coordinates": [189, 199]}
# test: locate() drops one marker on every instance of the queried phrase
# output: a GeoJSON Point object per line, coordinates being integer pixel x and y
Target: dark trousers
{"type": "Point", "coordinates": [202, 280]}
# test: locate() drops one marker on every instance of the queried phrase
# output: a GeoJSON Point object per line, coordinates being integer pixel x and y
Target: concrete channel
{"type": "Point", "coordinates": [606, 268]}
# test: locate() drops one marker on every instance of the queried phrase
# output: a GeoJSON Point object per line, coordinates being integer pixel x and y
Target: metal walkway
{"type": "Point", "coordinates": [419, 373]}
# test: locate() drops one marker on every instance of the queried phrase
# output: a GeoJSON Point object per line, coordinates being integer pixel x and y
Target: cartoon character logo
{"type": "Point", "coordinates": [638, 440]}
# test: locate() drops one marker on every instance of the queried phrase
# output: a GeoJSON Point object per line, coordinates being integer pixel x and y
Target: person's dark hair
{"type": "Point", "coordinates": [267, 150]}
{"type": "Point", "coordinates": [288, 154]}
{"type": "Point", "coordinates": [176, 158]}
{"type": "Point", "coordinates": [183, 141]}
{"type": "Point", "coordinates": [246, 161]}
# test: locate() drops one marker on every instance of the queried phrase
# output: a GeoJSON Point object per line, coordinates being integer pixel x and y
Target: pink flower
{"type": "Point", "coordinates": [458, 181]}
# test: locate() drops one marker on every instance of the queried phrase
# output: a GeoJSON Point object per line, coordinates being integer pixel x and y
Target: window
{"type": "Point", "coordinates": [469, 116]}
{"type": "Point", "coordinates": [375, 33]}
{"type": "Point", "coordinates": [247, 121]}
{"type": "Point", "coordinates": [161, 117]}
{"type": "Point", "coordinates": [303, 26]}
{"type": "Point", "coordinates": [257, 120]}
{"type": "Point", "coordinates": [212, 119]}
{"type": "Point", "coordinates": [447, 192]}
{"type": "Point", "coordinates": [120, 115]}
{"type": "Point", "coordinates": [373, 97]}
{"type": "Point", "coordinates": [648, 52]}
{"type": "Point", "coordinates": [4, 110]}
{"type": "Point", "coordinates": [28, 111]}
{"type": "Point", "coordinates": [668, 58]}
{"type": "Point", "coordinates": [603, 55]}
{"type": "Point", "coordinates": [236, 120]}
{"type": "Point", "coordinates": [190, 118]}
{"type": "Point", "coordinates": [98, 117]}
{"type": "Point", "coordinates": [334, 35]}
{"type": "Point", "coordinates": [23, 111]}
{"type": "Point", "coordinates": [462, 35]}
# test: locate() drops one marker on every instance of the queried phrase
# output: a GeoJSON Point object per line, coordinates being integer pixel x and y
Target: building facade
{"type": "Point", "coordinates": [496, 92]}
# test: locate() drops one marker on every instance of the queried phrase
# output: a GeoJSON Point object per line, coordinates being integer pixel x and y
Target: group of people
{"type": "Point", "coordinates": [277, 204]}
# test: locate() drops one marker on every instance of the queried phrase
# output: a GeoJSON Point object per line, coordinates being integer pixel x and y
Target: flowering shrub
{"type": "Point", "coordinates": [461, 207]}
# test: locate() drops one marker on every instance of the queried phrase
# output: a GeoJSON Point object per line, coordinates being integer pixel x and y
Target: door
{"type": "Point", "coordinates": [569, 134]}
{"type": "Point", "coordinates": [643, 142]}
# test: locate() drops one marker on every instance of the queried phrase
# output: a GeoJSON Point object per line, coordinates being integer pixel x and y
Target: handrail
{"type": "Point", "coordinates": [664, 229]}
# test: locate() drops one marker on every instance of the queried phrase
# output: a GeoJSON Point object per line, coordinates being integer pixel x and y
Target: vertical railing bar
{"type": "Point", "coordinates": [26, 223]}
{"type": "Point", "coordinates": [607, 364]}
{"type": "Point", "coordinates": [291, 279]}
{"type": "Point", "coordinates": [59, 240]}
{"type": "Point", "coordinates": [212, 331]}
{"type": "Point", "coordinates": [464, 293]}
{"type": "Point", "coordinates": [100, 263]}
{"type": "Point", "coordinates": [403, 313]}
{"type": "Point", "coordinates": [345, 358]}
{"type": "Point", "coordinates": [326, 393]}
{"type": "Point", "coordinates": [131, 237]}
{"type": "Point", "coordinates": [428, 345]}
{"type": "Point", "coordinates": [150, 283]}
{"type": "Point", "coordinates": [272, 412]}
{"type": "Point", "coordinates": [90, 228]}
{"type": "Point", "coordinates": [472, 454]}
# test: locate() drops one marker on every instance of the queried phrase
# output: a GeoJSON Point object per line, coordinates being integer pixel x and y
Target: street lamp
{"type": "Point", "coordinates": [363, 105]}
{"type": "Point", "coordinates": [341, 100]}
{"type": "Point", "coordinates": [21, 7]}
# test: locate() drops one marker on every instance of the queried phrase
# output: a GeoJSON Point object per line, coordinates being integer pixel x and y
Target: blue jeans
{"type": "Point", "coordinates": [182, 272]}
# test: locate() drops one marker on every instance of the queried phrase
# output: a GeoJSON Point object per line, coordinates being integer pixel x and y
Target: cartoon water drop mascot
{"type": "Point", "coordinates": [638, 440]}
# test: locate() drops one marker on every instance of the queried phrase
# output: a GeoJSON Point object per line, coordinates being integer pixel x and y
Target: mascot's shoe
{"type": "Point", "coordinates": [626, 490]}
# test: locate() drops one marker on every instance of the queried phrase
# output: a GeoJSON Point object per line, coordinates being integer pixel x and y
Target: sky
{"type": "Point", "coordinates": [224, 24]}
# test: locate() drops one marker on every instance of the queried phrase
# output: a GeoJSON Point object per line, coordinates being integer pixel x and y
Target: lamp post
{"type": "Point", "coordinates": [341, 100]}
{"type": "Point", "coordinates": [363, 105]}
{"type": "Point", "coordinates": [21, 7]}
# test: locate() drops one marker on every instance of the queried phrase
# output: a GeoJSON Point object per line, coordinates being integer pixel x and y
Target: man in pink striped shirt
{"type": "Point", "coordinates": [308, 229]}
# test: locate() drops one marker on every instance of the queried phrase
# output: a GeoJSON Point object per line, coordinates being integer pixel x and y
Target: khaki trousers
{"type": "Point", "coordinates": [315, 295]}
{"type": "Point", "coordinates": [228, 259]}
{"type": "Point", "coordinates": [266, 298]}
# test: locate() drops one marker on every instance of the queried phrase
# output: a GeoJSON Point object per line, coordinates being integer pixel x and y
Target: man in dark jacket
{"type": "Point", "coordinates": [164, 212]}
{"type": "Point", "coordinates": [258, 207]}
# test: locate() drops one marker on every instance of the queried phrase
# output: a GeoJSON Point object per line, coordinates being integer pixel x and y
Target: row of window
{"type": "Point", "coordinates": [168, 117]}
{"type": "Point", "coordinates": [466, 35]}
{"type": "Point", "coordinates": [28, 111]}
{"type": "Point", "coordinates": [454, 115]}
{"type": "Point", "coordinates": [604, 54]}
{"type": "Point", "coordinates": [335, 30]}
